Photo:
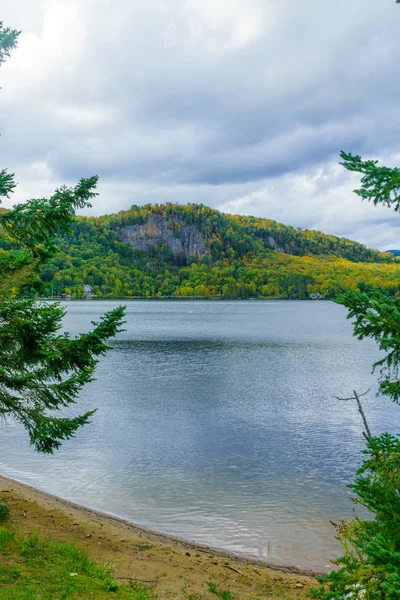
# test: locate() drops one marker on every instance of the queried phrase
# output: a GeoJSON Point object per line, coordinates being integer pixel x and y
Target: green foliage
{"type": "Point", "coordinates": [33, 223]}
{"type": "Point", "coordinates": [371, 563]}
{"type": "Point", "coordinates": [8, 41]}
{"type": "Point", "coordinates": [4, 510]}
{"type": "Point", "coordinates": [378, 316]}
{"type": "Point", "coordinates": [237, 236]}
{"type": "Point", "coordinates": [239, 261]}
{"type": "Point", "coordinates": [370, 566]}
{"type": "Point", "coordinates": [41, 369]}
{"type": "Point", "coordinates": [7, 183]}
{"type": "Point", "coordinates": [33, 568]}
{"type": "Point", "coordinates": [221, 594]}
{"type": "Point", "coordinates": [379, 184]}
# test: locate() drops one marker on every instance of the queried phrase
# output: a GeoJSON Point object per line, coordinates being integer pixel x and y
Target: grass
{"type": "Point", "coordinates": [38, 569]}
{"type": "Point", "coordinates": [48, 566]}
{"type": "Point", "coordinates": [4, 510]}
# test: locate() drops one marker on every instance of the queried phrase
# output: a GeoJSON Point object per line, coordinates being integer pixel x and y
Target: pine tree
{"type": "Point", "coordinates": [42, 369]}
{"type": "Point", "coordinates": [370, 566]}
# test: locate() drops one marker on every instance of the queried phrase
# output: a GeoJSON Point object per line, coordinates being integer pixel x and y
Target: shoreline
{"type": "Point", "coordinates": [165, 537]}
{"type": "Point", "coordinates": [152, 555]}
{"type": "Point", "coordinates": [180, 299]}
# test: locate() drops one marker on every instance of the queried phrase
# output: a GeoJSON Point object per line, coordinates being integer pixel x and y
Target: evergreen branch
{"type": "Point", "coordinates": [47, 433]}
{"type": "Point", "coordinates": [8, 41]}
{"type": "Point", "coordinates": [7, 183]}
{"type": "Point", "coordinates": [33, 223]}
{"type": "Point", "coordinates": [381, 185]}
{"type": "Point", "coordinates": [378, 317]}
{"type": "Point", "coordinates": [42, 370]}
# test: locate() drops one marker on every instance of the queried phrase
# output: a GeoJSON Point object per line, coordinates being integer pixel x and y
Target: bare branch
{"type": "Point", "coordinates": [367, 433]}
{"type": "Point", "coordinates": [364, 418]}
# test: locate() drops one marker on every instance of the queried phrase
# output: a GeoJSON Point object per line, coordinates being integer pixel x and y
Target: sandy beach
{"type": "Point", "coordinates": [177, 568]}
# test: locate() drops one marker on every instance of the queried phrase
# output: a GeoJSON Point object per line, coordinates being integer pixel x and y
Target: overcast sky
{"type": "Point", "coordinates": [242, 105]}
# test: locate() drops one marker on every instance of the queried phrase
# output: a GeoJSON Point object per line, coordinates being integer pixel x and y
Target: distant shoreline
{"type": "Point", "coordinates": [181, 299]}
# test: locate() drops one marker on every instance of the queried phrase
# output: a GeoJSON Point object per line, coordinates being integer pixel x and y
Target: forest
{"type": "Point", "coordinates": [241, 257]}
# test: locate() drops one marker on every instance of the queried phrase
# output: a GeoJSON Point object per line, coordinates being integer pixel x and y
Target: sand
{"type": "Point", "coordinates": [177, 568]}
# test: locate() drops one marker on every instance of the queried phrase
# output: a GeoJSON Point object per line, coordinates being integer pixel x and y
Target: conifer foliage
{"type": "Point", "coordinates": [42, 369]}
{"type": "Point", "coordinates": [370, 567]}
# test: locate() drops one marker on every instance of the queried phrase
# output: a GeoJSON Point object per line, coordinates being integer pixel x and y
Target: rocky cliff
{"type": "Point", "coordinates": [183, 240]}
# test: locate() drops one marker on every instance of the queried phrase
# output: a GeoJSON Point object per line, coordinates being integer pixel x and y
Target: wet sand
{"type": "Point", "coordinates": [175, 567]}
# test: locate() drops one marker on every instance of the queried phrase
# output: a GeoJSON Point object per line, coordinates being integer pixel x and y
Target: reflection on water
{"type": "Point", "coordinates": [217, 423]}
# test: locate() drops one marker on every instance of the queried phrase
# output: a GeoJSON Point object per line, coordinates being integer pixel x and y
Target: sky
{"type": "Point", "coordinates": [242, 105]}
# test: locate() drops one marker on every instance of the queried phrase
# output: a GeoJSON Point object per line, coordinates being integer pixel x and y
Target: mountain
{"type": "Point", "coordinates": [220, 235]}
{"type": "Point", "coordinates": [394, 252]}
{"type": "Point", "coordinates": [193, 250]}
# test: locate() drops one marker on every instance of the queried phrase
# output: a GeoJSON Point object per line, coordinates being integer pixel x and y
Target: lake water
{"type": "Point", "coordinates": [217, 422]}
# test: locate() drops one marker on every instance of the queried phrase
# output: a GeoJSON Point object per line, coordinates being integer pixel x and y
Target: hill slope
{"type": "Point", "coordinates": [193, 250]}
{"type": "Point", "coordinates": [232, 236]}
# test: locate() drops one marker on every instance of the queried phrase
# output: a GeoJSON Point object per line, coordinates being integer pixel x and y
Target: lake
{"type": "Point", "coordinates": [217, 423]}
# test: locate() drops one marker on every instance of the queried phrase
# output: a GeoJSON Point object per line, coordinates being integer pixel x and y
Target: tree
{"type": "Point", "coordinates": [42, 369]}
{"type": "Point", "coordinates": [370, 567]}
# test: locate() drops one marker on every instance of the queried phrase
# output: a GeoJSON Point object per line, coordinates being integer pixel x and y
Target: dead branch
{"type": "Point", "coordinates": [367, 433]}
{"type": "Point", "coordinates": [233, 569]}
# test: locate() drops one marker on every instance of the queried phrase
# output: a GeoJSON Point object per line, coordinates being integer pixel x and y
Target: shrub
{"type": "Point", "coordinates": [370, 567]}
{"type": "Point", "coordinates": [4, 510]}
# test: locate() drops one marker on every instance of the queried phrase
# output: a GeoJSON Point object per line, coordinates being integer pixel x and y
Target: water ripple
{"type": "Point", "coordinates": [217, 422]}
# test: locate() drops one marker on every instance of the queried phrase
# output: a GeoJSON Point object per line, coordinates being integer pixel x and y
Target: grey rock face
{"type": "Point", "coordinates": [183, 240]}
{"type": "Point", "coordinates": [273, 244]}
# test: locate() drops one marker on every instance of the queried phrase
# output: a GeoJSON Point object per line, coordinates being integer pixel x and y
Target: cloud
{"type": "Point", "coordinates": [243, 105]}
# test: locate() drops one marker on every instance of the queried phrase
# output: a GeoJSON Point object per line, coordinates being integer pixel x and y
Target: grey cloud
{"type": "Point", "coordinates": [226, 103]}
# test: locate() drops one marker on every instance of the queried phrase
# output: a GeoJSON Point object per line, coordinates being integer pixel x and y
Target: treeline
{"type": "Point", "coordinates": [240, 262]}
{"type": "Point", "coordinates": [236, 236]}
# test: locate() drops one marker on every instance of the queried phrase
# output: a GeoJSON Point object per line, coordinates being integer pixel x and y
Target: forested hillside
{"type": "Point", "coordinates": [193, 250]}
